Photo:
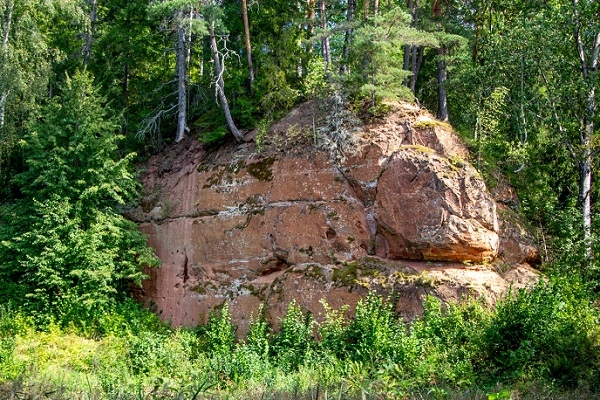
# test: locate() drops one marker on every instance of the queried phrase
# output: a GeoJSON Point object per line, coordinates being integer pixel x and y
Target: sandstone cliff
{"type": "Point", "coordinates": [403, 211]}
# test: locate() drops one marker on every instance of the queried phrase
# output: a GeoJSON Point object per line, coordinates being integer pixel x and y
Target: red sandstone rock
{"type": "Point", "coordinates": [235, 226]}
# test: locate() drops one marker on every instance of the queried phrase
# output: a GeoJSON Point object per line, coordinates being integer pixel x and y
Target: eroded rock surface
{"type": "Point", "coordinates": [289, 223]}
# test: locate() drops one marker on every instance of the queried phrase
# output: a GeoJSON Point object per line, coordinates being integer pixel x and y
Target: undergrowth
{"type": "Point", "coordinates": [540, 343]}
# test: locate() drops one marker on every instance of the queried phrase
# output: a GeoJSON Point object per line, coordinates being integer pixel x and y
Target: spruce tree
{"type": "Point", "coordinates": [64, 247]}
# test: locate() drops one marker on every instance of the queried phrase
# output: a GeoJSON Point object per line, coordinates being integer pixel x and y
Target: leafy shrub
{"type": "Point", "coordinates": [550, 331]}
{"type": "Point", "coordinates": [375, 333]}
{"type": "Point", "coordinates": [11, 325]}
{"type": "Point", "coordinates": [332, 331]}
{"type": "Point", "coordinates": [258, 336]}
{"type": "Point", "coordinates": [220, 333]}
{"type": "Point", "coordinates": [447, 338]}
{"type": "Point", "coordinates": [294, 342]}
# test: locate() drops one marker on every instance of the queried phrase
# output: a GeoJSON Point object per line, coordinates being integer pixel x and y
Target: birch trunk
{"type": "Point", "coordinates": [182, 100]}
{"type": "Point", "coordinates": [220, 86]}
{"type": "Point", "coordinates": [6, 24]}
{"type": "Point", "coordinates": [442, 76]}
{"type": "Point", "coordinates": [587, 131]}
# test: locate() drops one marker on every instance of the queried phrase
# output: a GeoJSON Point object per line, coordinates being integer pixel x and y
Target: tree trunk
{"type": "Point", "coordinates": [348, 36]}
{"type": "Point", "coordinates": [87, 50]}
{"type": "Point", "coordinates": [442, 75]}
{"type": "Point", "coordinates": [585, 166]}
{"type": "Point", "coordinates": [3, 97]}
{"type": "Point", "coordinates": [442, 72]}
{"type": "Point", "coordinates": [220, 87]}
{"type": "Point", "coordinates": [406, 64]}
{"type": "Point", "coordinates": [325, 48]}
{"type": "Point", "coordinates": [188, 52]}
{"type": "Point", "coordinates": [6, 24]}
{"type": "Point", "coordinates": [416, 61]}
{"type": "Point", "coordinates": [182, 98]}
{"type": "Point", "coordinates": [311, 18]}
{"type": "Point", "coordinates": [248, 46]}
{"type": "Point", "coordinates": [585, 189]}
{"type": "Point", "coordinates": [585, 135]}
{"type": "Point", "coordinates": [411, 51]}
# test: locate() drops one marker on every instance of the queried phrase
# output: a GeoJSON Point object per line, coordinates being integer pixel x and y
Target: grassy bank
{"type": "Point", "coordinates": [544, 343]}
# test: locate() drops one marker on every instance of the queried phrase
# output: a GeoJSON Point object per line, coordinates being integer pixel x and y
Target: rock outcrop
{"type": "Point", "coordinates": [404, 211]}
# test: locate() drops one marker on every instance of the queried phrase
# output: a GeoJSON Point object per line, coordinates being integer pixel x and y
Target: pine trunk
{"type": "Point", "coordinates": [348, 36]}
{"type": "Point", "coordinates": [415, 66]}
{"type": "Point", "coordinates": [411, 51]}
{"type": "Point", "coordinates": [311, 18]}
{"type": "Point", "coordinates": [182, 98]}
{"type": "Point", "coordinates": [248, 45]}
{"type": "Point", "coordinates": [325, 48]}
{"type": "Point", "coordinates": [220, 86]}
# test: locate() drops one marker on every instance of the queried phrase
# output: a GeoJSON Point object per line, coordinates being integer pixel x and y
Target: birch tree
{"type": "Point", "coordinates": [7, 17]}
{"type": "Point", "coordinates": [586, 40]}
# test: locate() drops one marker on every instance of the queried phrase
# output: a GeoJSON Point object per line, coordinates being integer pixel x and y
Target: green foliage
{"type": "Point", "coordinates": [452, 350]}
{"type": "Point", "coordinates": [220, 333]}
{"type": "Point", "coordinates": [379, 48]}
{"type": "Point", "coordinates": [276, 94]}
{"type": "Point", "coordinates": [257, 338]}
{"type": "Point", "coordinates": [332, 330]}
{"type": "Point", "coordinates": [293, 344]}
{"type": "Point", "coordinates": [550, 332]}
{"type": "Point", "coordinates": [63, 244]}
{"type": "Point", "coordinates": [374, 333]}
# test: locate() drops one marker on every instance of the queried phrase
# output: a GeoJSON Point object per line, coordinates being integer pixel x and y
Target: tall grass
{"type": "Point", "coordinates": [548, 335]}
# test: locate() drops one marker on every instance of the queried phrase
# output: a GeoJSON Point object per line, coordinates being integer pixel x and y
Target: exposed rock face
{"type": "Point", "coordinates": [236, 226]}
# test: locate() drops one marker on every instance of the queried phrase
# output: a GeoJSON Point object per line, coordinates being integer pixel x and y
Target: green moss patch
{"type": "Point", "coordinates": [262, 170]}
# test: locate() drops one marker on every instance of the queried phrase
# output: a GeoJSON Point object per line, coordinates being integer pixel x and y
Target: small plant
{"type": "Point", "coordinates": [295, 340]}
{"type": "Point", "coordinates": [550, 331]}
{"type": "Point", "coordinates": [501, 395]}
{"type": "Point", "coordinates": [332, 330]}
{"type": "Point", "coordinates": [261, 134]}
{"type": "Point", "coordinates": [220, 333]}
{"type": "Point", "coordinates": [374, 333]}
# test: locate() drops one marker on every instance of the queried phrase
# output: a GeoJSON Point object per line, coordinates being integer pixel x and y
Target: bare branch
{"type": "Point", "coordinates": [151, 124]}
